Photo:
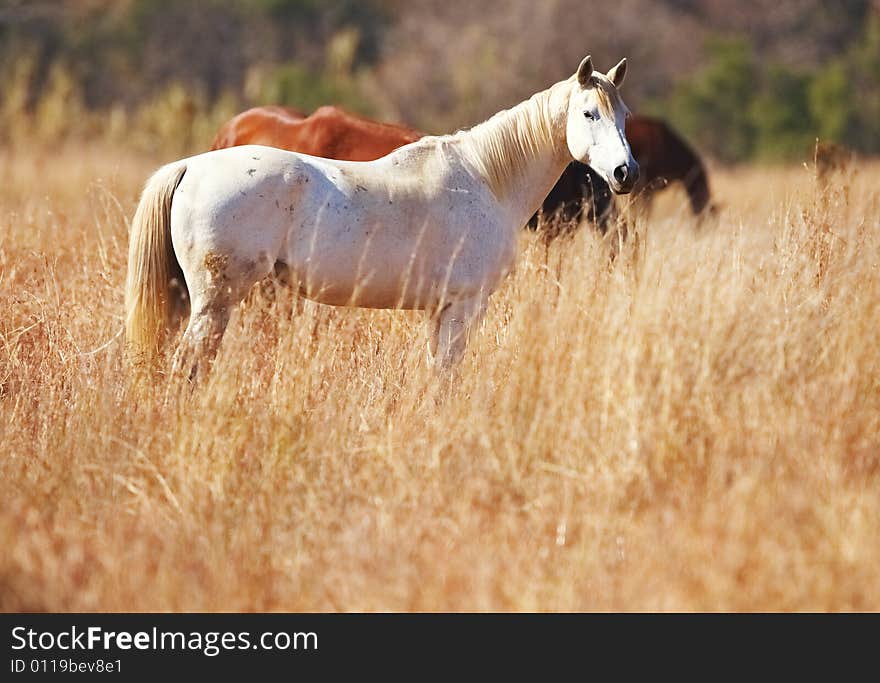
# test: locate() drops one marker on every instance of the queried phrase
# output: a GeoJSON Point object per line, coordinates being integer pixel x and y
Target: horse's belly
{"type": "Point", "coordinates": [359, 243]}
{"type": "Point", "coordinates": [391, 267]}
{"type": "Point", "coordinates": [382, 281]}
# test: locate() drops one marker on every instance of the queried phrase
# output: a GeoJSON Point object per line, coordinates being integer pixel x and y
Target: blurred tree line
{"type": "Point", "coordinates": [754, 79]}
{"type": "Point", "coordinates": [739, 107]}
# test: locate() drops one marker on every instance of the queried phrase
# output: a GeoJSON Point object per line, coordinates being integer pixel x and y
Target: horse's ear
{"type": "Point", "coordinates": [585, 72]}
{"type": "Point", "coordinates": [617, 73]}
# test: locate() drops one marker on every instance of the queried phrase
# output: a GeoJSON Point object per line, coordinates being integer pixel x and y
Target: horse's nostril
{"type": "Point", "coordinates": [620, 174]}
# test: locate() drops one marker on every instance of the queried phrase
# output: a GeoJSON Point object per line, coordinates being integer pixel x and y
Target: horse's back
{"type": "Point", "coordinates": [659, 149]}
{"type": "Point", "coordinates": [245, 185]}
{"type": "Point", "coordinates": [236, 183]}
{"type": "Point", "coordinates": [338, 134]}
{"type": "Point", "coordinates": [648, 139]}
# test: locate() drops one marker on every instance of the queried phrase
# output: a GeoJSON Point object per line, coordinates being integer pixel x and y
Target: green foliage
{"type": "Point", "coordinates": [831, 102]}
{"type": "Point", "coordinates": [166, 65]}
{"type": "Point", "coordinates": [296, 86]}
{"type": "Point", "coordinates": [845, 96]}
{"type": "Point", "coordinates": [864, 73]}
{"type": "Point", "coordinates": [713, 107]}
{"type": "Point", "coordinates": [368, 16]}
{"type": "Point", "coordinates": [780, 113]}
{"type": "Point", "coordinates": [737, 109]}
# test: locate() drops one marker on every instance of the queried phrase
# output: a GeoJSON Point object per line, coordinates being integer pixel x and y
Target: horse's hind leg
{"type": "Point", "coordinates": [214, 290]}
{"type": "Point", "coordinates": [451, 329]}
{"type": "Point", "coordinates": [201, 340]}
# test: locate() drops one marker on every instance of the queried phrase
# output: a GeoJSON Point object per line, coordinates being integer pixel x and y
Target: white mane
{"type": "Point", "coordinates": [502, 146]}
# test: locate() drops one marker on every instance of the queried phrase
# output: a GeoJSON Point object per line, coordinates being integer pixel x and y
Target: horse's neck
{"type": "Point", "coordinates": [522, 152]}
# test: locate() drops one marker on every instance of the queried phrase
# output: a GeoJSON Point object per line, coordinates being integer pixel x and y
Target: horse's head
{"type": "Point", "coordinates": [595, 129]}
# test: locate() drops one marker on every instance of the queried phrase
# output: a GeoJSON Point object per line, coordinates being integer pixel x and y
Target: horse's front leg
{"type": "Point", "coordinates": [451, 329]}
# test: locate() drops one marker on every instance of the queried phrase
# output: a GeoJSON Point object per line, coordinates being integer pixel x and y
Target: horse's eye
{"type": "Point", "coordinates": [589, 116]}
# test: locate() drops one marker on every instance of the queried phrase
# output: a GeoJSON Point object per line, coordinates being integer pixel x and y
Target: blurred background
{"type": "Point", "coordinates": [743, 81]}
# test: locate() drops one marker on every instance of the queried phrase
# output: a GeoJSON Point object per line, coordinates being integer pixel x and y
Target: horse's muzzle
{"type": "Point", "coordinates": [625, 177]}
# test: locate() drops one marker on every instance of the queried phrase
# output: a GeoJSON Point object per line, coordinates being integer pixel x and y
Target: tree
{"type": "Point", "coordinates": [714, 106]}
{"type": "Point", "coordinates": [831, 102]}
{"type": "Point", "coordinates": [781, 114]}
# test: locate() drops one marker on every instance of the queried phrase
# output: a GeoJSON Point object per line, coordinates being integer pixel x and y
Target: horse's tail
{"type": "Point", "coordinates": [152, 265]}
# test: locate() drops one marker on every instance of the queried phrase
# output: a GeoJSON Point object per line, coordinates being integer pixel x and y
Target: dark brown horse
{"type": "Point", "coordinates": [329, 132]}
{"type": "Point", "coordinates": [664, 158]}
{"type": "Point", "coordinates": [579, 193]}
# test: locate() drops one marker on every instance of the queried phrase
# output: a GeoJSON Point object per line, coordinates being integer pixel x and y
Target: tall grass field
{"type": "Point", "coordinates": [692, 425]}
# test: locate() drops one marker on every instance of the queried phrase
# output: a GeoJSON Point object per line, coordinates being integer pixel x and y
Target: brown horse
{"type": "Point", "coordinates": [257, 126]}
{"type": "Point", "coordinates": [329, 132]}
{"type": "Point", "coordinates": [579, 193]}
{"type": "Point", "coordinates": [664, 158]}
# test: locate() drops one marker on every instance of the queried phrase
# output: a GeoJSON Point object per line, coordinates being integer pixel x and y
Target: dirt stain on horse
{"type": "Point", "coordinates": [216, 265]}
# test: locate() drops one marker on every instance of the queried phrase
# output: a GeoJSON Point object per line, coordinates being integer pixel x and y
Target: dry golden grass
{"type": "Point", "coordinates": [695, 427]}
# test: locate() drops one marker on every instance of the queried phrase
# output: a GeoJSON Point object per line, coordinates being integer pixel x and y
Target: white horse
{"type": "Point", "coordinates": [432, 226]}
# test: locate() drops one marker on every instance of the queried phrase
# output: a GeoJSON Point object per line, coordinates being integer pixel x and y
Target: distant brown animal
{"type": "Point", "coordinates": [830, 158]}
{"type": "Point", "coordinates": [328, 132]}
